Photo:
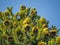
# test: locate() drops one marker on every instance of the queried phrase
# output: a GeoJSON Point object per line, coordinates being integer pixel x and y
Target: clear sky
{"type": "Point", "coordinates": [50, 9]}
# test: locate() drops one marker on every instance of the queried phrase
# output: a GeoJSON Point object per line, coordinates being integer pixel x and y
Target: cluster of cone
{"type": "Point", "coordinates": [26, 28]}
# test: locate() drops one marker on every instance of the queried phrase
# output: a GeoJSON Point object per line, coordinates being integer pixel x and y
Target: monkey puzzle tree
{"type": "Point", "coordinates": [26, 28]}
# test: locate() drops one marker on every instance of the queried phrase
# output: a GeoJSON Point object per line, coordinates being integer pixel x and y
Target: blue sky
{"type": "Point", "coordinates": [50, 9]}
